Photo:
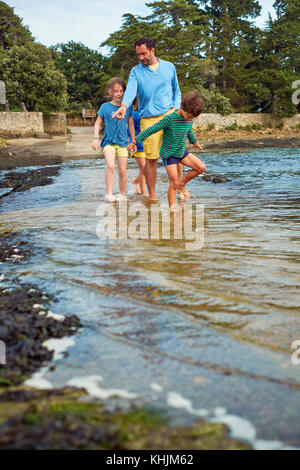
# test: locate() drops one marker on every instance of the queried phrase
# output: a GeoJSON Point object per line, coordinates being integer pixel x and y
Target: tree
{"type": "Point", "coordinates": [84, 72]}
{"type": "Point", "coordinates": [32, 79]}
{"type": "Point", "coordinates": [12, 32]}
{"type": "Point", "coordinates": [121, 43]}
{"type": "Point", "coordinates": [278, 62]}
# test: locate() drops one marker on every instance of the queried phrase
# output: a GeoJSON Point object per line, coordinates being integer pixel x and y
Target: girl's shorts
{"type": "Point", "coordinates": [120, 151]}
{"type": "Point", "coordinates": [174, 160]}
{"type": "Point", "coordinates": [139, 154]}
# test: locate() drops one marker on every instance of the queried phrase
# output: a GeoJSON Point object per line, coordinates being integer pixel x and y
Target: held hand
{"type": "Point", "coordinates": [197, 146]}
{"type": "Point", "coordinates": [120, 113]}
{"type": "Point", "coordinates": [132, 147]}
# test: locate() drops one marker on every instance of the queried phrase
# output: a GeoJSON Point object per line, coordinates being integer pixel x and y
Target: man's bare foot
{"type": "Point", "coordinates": [137, 186]}
{"type": "Point", "coordinates": [153, 198]}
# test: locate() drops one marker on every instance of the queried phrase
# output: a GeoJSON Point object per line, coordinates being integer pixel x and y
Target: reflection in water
{"type": "Point", "coordinates": [216, 323]}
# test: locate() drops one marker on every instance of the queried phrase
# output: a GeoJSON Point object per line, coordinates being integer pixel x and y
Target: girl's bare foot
{"type": "Point", "coordinates": [137, 186]}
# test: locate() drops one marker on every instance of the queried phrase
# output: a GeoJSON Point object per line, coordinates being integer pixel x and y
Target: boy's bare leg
{"type": "Point", "coordinates": [110, 156]}
{"type": "Point", "coordinates": [122, 164]}
{"type": "Point", "coordinates": [197, 165]}
{"type": "Point", "coordinates": [184, 194]}
{"type": "Point", "coordinates": [151, 175]}
{"type": "Point", "coordinates": [172, 172]}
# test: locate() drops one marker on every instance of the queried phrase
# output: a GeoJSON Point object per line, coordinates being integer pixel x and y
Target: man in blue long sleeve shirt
{"type": "Point", "coordinates": [154, 82]}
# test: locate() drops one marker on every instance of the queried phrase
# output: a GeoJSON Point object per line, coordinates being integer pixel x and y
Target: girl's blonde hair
{"type": "Point", "coordinates": [111, 83]}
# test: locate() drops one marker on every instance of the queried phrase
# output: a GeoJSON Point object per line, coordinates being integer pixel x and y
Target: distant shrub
{"type": "Point", "coordinates": [256, 126]}
{"type": "Point", "coordinates": [232, 127]}
{"type": "Point", "coordinates": [268, 125]}
{"type": "Point", "coordinates": [280, 125]}
{"type": "Point", "coordinates": [211, 126]}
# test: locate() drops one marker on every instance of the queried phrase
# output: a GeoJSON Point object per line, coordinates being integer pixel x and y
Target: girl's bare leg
{"type": "Point", "coordinates": [122, 164]}
{"type": "Point", "coordinates": [110, 157]}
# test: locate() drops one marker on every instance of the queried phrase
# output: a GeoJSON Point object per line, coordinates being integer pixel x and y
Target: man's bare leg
{"type": "Point", "coordinates": [151, 175]}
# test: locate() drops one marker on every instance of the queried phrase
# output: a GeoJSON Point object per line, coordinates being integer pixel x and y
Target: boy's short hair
{"type": "Point", "coordinates": [112, 82]}
{"type": "Point", "coordinates": [192, 103]}
{"type": "Point", "coordinates": [149, 43]}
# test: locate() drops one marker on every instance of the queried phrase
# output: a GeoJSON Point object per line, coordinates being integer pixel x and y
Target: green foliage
{"type": "Point", "coordinates": [84, 70]}
{"type": "Point", "coordinates": [211, 126]}
{"type": "Point", "coordinates": [232, 127]}
{"type": "Point", "coordinates": [12, 32]}
{"type": "Point", "coordinates": [214, 101]}
{"type": "Point", "coordinates": [32, 79]}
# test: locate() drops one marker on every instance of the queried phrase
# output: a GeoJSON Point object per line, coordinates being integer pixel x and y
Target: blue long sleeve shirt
{"type": "Point", "coordinates": [157, 91]}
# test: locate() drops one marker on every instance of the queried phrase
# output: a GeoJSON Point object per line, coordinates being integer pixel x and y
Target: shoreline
{"type": "Point", "coordinates": [77, 145]}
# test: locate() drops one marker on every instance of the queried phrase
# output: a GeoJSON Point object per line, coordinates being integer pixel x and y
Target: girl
{"type": "Point", "coordinates": [115, 139]}
{"type": "Point", "coordinates": [139, 155]}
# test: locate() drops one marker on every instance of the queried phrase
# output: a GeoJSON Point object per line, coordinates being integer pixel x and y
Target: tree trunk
{"type": "Point", "coordinates": [23, 106]}
{"type": "Point", "coordinates": [7, 108]}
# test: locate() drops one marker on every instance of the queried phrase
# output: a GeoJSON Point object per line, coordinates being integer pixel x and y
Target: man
{"type": "Point", "coordinates": [154, 82]}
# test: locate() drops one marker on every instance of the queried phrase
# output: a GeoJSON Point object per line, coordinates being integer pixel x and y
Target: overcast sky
{"type": "Point", "coordinates": [86, 21]}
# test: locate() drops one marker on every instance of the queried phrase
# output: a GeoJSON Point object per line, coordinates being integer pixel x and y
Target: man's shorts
{"type": "Point", "coordinates": [120, 151]}
{"type": "Point", "coordinates": [174, 160]}
{"type": "Point", "coordinates": [153, 143]}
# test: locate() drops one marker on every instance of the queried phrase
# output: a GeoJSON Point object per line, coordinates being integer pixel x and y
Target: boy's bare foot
{"type": "Point", "coordinates": [185, 192]}
{"type": "Point", "coordinates": [137, 186]}
{"type": "Point", "coordinates": [180, 194]}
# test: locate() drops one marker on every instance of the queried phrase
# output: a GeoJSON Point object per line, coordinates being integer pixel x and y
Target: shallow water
{"type": "Point", "coordinates": [196, 332]}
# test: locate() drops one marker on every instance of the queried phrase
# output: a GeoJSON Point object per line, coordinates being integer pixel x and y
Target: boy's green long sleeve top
{"type": "Point", "coordinates": [176, 131]}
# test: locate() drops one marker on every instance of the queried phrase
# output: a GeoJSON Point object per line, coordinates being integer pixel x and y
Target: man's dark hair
{"type": "Point", "coordinates": [149, 43]}
{"type": "Point", "coordinates": [192, 103]}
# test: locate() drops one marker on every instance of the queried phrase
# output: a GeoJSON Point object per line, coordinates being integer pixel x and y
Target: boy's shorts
{"type": "Point", "coordinates": [174, 160]}
{"type": "Point", "coordinates": [153, 143]}
{"type": "Point", "coordinates": [139, 154]}
{"type": "Point", "coordinates": [120, 151]}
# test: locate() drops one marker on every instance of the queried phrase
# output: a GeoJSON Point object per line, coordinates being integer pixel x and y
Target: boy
{"type": "Point", "coordinates": [177, 128]}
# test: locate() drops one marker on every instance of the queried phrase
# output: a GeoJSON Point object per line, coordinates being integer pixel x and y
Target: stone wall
{"type": "Point", "coordinates": [22, 124]}
{"type": "Point", "coordinates": [243, 119]}
{"type": "Point", "coordinates": [55, 123]}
